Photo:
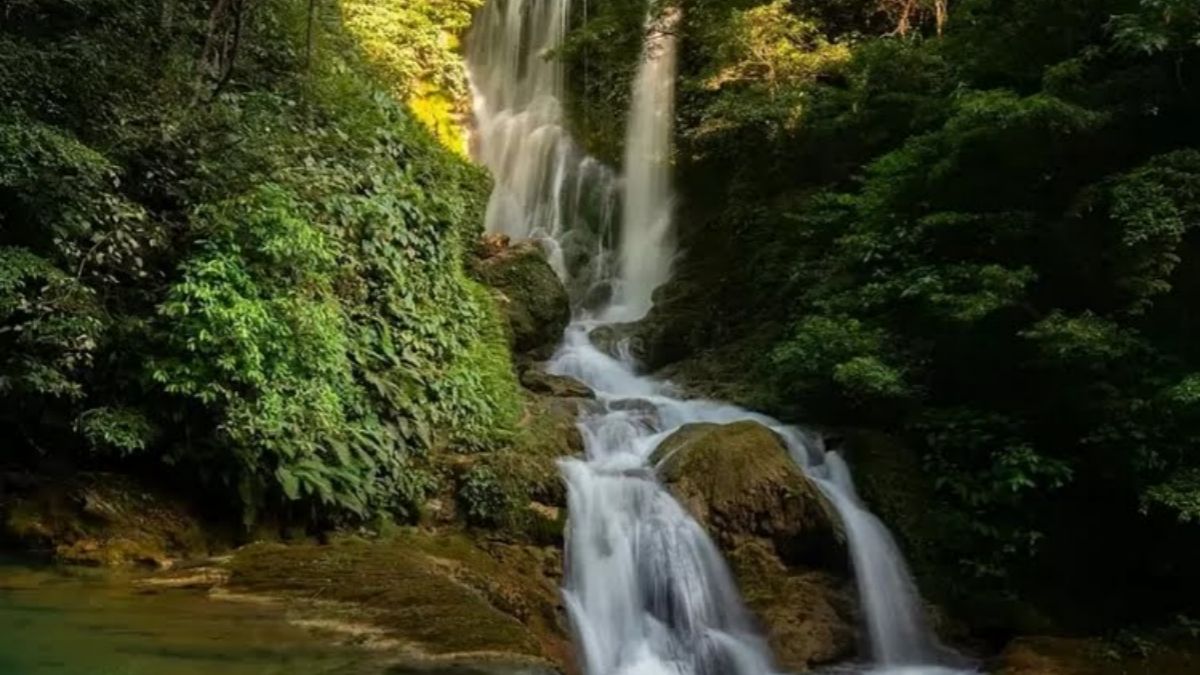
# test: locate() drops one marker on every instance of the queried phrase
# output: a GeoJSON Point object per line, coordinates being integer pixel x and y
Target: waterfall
{"type": "Point", "coordinates": [646, 246]}
{"type": "Point", "coordinates": [646, 590]}
{"type": "Point", "coordinates": [546, 188]}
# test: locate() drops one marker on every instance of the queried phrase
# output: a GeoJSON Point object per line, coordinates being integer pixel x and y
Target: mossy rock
{"type": "Point", "coordinates": [533, 298]}
{"type": "Point", "coordinates": [674, 329]}
{"type": "Point", "coordinates": [782, 539]}
{"type": "Point", "coordinates": [1045, 655]}
{"type": "Point", "coordinates": [102, 519]}
{"type": "Point", "coordinates": [809, 615]}
{"type": "Point", "coordinates": [436, 595]}
{"type": "Point", "coordinates": [537, 380]}
{"type": "Point", "coordinates": [739, 481]}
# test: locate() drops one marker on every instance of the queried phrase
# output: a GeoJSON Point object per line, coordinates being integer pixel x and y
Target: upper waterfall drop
{"type": "Point", "coordinates": [647, 245]}
{"type": "Point", "coordinates": [607, 235]}
{"type": "Point", "coordinates": [546, 187]}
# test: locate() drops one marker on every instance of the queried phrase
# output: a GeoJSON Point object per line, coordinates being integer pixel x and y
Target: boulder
{"type": "Point", "coordinates": [432, 597]}
{"type": "Point", "coordinates": [674, 329]}
{"type": "Point", "coordinates": [809, 616]}
{"type": "Point", "coordinates": [533, 298]}
{"type": "Point", "coordinates": [739, 481]}
{"type": "Point", "coordinates": [782, 539]}
{"type": "Point", "coordinates": [540, 382]}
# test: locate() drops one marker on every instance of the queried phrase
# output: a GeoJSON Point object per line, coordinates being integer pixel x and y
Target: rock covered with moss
{"type": "Point", "coordinates": [533, 298]}
{"type": "Point", "coordinates": [428, 596]}
{"type": "Point", "coordinates": [739, 480]}
{"type": "Point", "coordinates": [782, 539]}
{"type": "Point", "coordinates": [100, 519]}
{"type": "Point", "coordinates": [809, 614]}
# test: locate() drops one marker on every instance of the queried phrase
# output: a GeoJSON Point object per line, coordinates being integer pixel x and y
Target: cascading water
{"type": "Point", "coordinates": [545, 187]}
{"type": "Point", "coordinates": [647, 591]}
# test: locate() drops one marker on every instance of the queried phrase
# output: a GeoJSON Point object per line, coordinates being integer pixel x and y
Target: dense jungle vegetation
{"type": "Point", "coordinates": [962, 234]}
{"type": "Point", "coordinates": [971, 225]}
{"type": "Point", "coordinates": [233, 259]}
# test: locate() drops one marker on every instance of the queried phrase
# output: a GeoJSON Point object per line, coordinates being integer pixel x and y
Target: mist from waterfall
{"type": "Point", "coordinates": [646, 590]}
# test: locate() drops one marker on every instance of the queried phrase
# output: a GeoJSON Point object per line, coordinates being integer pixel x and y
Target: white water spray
{"type": "Point", "coordinates": [646, 590]}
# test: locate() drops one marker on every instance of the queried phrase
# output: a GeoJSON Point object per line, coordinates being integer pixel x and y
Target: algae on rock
{"type": "Point", "coordinates": [739, 481]}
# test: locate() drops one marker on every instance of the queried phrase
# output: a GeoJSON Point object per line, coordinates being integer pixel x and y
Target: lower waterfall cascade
{"type": "Point", "coordinates": [646, 590]}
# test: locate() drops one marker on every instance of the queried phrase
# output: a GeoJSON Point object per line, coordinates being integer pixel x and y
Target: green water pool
{"type": "Point", "coordinates": [72, 621]}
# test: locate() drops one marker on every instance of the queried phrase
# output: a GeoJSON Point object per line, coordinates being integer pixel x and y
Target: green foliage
{"type": "Point", "coordinates": [49, 328]}
{"type": "Point", "coordinates": [247, 267]}
{"type": "Point", "coordinates": [409, 41]}
{"type": "Point", "coordinates": [1085, 340]}
{"type": "Point", "coordinates": [840, 352]}
{"type": "Point", "coordinates": [1158, 26]}
{"type": "Point", "coordinates": [414, 47]}
{"type": "Point", "coordinates": [486, 501]}
{"type": "Point", "coordinates": [756, 63]}
{"type": "Point", "coordinates": [1180, 495]}
{"type": "Point", "coordinates": [121, 430]}
{"type": "Point", "coordinates": [601, 54]}
{"type": "Point", "coordinates": [985, 463]}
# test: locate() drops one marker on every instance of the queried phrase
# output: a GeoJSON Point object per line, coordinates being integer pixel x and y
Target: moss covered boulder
{"type": "Point", "coordinates": [533, 298]}
{"type": "Point", "coordinates": [739, 481]}
{"type": "Point", "coordinates": [782, 540]}
{"type": "Point", "coordinates": [676, 327]}
{"type": "Point", "coordinates": [538, 381]}
{"type": "Point", "coordinates": [809, 615]}
{"type": "Point", "coordinates": [516, 491]}
{"type": "Point", "coordinates": [100, 519]}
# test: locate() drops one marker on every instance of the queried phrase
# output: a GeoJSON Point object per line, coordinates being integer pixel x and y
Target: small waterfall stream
{"type": "Point", "coordinates": [647, 591]}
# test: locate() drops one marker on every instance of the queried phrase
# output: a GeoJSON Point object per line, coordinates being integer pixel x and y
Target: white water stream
{"type": "Point", "coordinates": [647, 591]}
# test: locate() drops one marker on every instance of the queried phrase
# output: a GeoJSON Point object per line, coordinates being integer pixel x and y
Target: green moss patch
{"type": "Point", "coordinates": [440, 595]}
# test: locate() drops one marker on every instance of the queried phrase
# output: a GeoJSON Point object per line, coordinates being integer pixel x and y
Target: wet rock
{"type": "Point", "coordinates": [103, 520]}
{"type": "Point", "coordinates": [673, 329]}
{"type": "Point", "coordinates": [533, 299]}
{"type": "Point", "coordinates": [782, 539]}
{"type": "Point", "coordinates": [738, 480]}
{"type": "Point", "coordinates": [598, 296]}
{"type": "Point", "coordinates": [540, 382]}
{"type": "Point", "coordinates": [199, 577]}
{"type": "Point", "coordinates": [809, 615]}
{"type": "Point", "coordinates": [549, 427]}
